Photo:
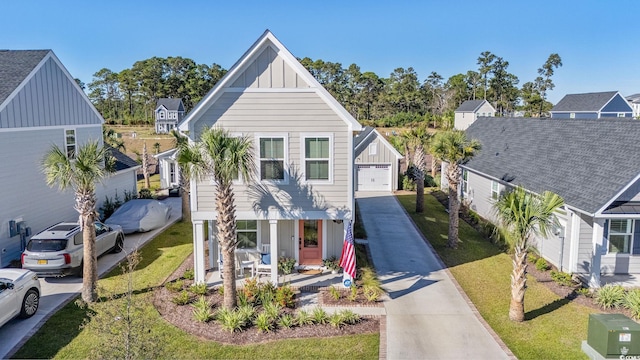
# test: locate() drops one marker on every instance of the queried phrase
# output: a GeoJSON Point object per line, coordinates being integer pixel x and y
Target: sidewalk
{"type": "Point", "coordinates": [57, 292]}
{"type": "Point", "coordinates": [427, 317]}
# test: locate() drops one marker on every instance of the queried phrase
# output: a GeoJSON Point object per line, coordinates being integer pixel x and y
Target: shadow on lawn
{"type": "Point", "coordinates": [550, 307]}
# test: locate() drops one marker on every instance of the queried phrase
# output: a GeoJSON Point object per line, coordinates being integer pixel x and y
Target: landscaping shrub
{"type": "Point", "coordinates": [189, 274]}
{"type": "Point", "coordinates": [303, 317]}
{"type": "Point", "coordinates": [182, 298]}
{"type": "Point", "coordinates": [584, 291]}
{"type": "Point", "coordinates": [145, 194]}
{"type": "Point", "coordinates": [335, 293]}
{"type": "Point", "coordinates": [609, 296]}
{"type": "Point", "coordinates": [246, 313]}
{"type": "Point", "coordinates": [229, 320]}
{"type": "Point", "coordinates": [174, 286]}
{"type": "Point", "coordinates": [272, 310]}
{"type": "Point", "coordinates": [371, 286]}
{"type": "Point", "coordinates": [202, 310]}
{"type": "Point", "coordinates": [198, 289]}
{"type": "Point", "coordinates": [336, 320]}
{"type": "Point", "coordinates": [319, 316]}
{"type": "Point", "coordinates": [287, 321]}
{"type": "Point", "coordinates": [286, 265]}
{"type": "Point", "coordinates": [350, 317]}
{"type": "Point", "coordinates": [408, 184]}
{"type": "Point", "coordinates": [561, 278]}
{"type": "Point", "coordinates": [541, 264]}
{"type": "Point", "coordinates": [264, 322]}
{"type": "Point", "coordinates": [353, 292]}
{"type": "Point", "coordinates": [632, 302]}
{"type": "Point", "coordinates": [285, 296]}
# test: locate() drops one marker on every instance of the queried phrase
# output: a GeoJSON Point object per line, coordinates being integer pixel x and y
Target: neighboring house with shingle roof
{"type": "Point", "coordinates": [169, 112]}
{"type": "Point", "coordinates": [634, 101]}
{"type": "Point", "coordinates": [593, 165]}
{"type": "Point", "coordinates": [168, 169]}
{"type": "Point", "coordinates": [376, 162]}
{"type": "Point", "coordinates": [41, 105]}
{"type": "Point", "coordinates": [595, 105]}
{"type": "Point", "coordinates": [470, 110]}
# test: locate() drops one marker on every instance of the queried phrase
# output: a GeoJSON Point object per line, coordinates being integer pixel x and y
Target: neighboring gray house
{"type": "Point", "coordinates": [303, 200]}
{"type": "Point", "coordinates": [41, 105]}
{"type": "Point", "coordinates": [634, 101]}
{"type": "Point", "coordinates": [169, 112]}
{"type": "Point", "coordinates": [376, 163]}
{"type": "Point", "coordinates": [470, 110]}
{"type": "Point", "coordinates": [593, 165]}
{"type": "Point", "coordinates": [609, 104]}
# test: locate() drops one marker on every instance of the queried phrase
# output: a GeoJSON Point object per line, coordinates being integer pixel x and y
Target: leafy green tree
{"type": "Point", "coordinates": [502, 86]}
{"type": "Point", "coordinates": [544, 82]}
{"type": "Point", "coordinates": [474, 80]}
{"type": "Point", "coordinates": [221, 157]}
{"type": "Point", "coordinates": [523, 214]}
{"type": "Point", "coordinates": [485, 62]}
{"type": "Point", "coordinates": [81, 173]}
{"type": "Point", "coordinates": [453, 147]}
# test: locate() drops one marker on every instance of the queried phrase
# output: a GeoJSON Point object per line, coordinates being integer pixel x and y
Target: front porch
{"type": "Point", "coordinates": [295, 279]}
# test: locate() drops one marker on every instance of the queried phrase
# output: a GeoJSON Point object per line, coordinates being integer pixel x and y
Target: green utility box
{"type": "Point", "coordinates": [612, 335]}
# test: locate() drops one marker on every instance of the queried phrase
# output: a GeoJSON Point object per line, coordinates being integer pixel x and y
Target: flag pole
{"type": "Point", "coordinates": [348, 257]}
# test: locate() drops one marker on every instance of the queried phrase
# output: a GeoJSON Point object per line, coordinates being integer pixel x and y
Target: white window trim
{"type": "Point", "coordinates": [161, 115]}
{"type": "Point", "coordinates": [572, 115]}
{"type": "Point", "coordinates": [303, 163]}
{"type": "Point", "coordinates": [621, 114]}
{"type": "Point", "coordinates": [373, 149]}
{"type": "Point", "coordinates": [258, 240]}
{"type": "Point", "coordinates": [631, 233]}
{"type": "Point", "coordinates": [284, 136]}
{"type": "Point", "coordinates": [75, 139]}
{"type": "Point", "coordinates": [465, 183]}
{"type": "Point", "coordinates": [497, 191]}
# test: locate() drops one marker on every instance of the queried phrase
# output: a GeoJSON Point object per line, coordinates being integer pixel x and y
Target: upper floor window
{"type": "Point", "coordinates": [620, 236]}
{"type": "Point", "coordinates": [495, 190]}
{"type": "Point", "coordinates": [161, 114]}
{"type": "Point", "coordinates": [247, 234]}
{"type": "Point", "coordinates": [572, 115]}
{"type": "Point", "coordinates": [70, 143]}
{"type": "Point", "coordinates": [373, 148]}
{"type": "Point", "coordinates": [317, 158]}
{"type": "Point", "coordinates": [272, 158]}
{"type": "Point", "coordinates": [621, 114]}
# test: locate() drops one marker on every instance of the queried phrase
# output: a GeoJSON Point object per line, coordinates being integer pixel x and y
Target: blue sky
{"type": "Point", "coordinates": [595, 39]}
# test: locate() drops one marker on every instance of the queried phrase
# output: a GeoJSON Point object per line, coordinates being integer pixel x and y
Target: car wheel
{"type": "Point", "coordinates": [30, 303]}
{"type": "Point", "coordinates": [119, 245]}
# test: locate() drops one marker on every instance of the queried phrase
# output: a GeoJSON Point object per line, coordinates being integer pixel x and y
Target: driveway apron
{"type": "Point", "coordinates": [427, 317]}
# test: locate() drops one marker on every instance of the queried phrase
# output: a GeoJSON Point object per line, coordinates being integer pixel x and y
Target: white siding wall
{"type": "Point", "coordinates": [282, 113]}
{"type": "Point", "coordinates": [479, 195]}
{"type": "Point", "coordinates": [383, 156]}
{"type": "Point", "coordinates": [585, 247]}
{"type": "Point", "coordinates": [462, 120]}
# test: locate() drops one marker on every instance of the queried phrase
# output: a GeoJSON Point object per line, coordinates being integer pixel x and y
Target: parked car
{"type": "Point", "coordinates": [140, 215]}
{"type": "Point", "coordinates": [19, 294]}
{"type": "Point", "coordinates": [58, 250]}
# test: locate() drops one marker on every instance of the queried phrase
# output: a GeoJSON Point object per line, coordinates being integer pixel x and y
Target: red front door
{"type": "Point", "coordinates": [310, 242]}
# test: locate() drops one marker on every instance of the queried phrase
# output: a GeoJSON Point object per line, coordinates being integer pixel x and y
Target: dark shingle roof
{"type": "Point", "coordinates": [584, 102]}
{"type": "Point", "coordinates": [586, 161]}
{"type": "Point", "coordinates": [169, 103]}
{"type": "Point", "coordinates": [122, 160]}
{"type": "Point", "coordinates": [635, 98]}
{"type": "Point", "coordinates": [15, 65]}
{"type": "Point", "coordinates": [362, 135]}
{"type": "Point", "coordinates": [470, 106]}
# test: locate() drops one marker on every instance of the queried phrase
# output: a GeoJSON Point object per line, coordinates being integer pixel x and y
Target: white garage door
{"type": "Point", "coordinates": [374, 177]}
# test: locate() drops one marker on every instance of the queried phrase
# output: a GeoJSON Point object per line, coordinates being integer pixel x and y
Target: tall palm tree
{"type": "Point", "coordinates": [416, 142]}
{"type": "Point", "coordinates": [182, 144]}
{"type": "Point", "coordinates": [89, 166]}
{"type": "Point", "coordinates": [221, 157]}
{"type": "Point", "coordinates": [453, 147]}
{"type": "Point", "coordinates": [523, 214]}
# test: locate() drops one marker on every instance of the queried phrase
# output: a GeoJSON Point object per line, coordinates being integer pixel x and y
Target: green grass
{"type": "Point", "coordinates": [154, 182]}
{"type": "Point", "coordinates": [62, 337]}
{"type": "Point", "coordinates": [554, 328]}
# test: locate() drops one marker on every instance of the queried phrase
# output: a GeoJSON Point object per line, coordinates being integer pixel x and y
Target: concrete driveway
{"type": "Point", "coordinates": [56, 292]}
{"type": "Point", "coordinates": [427, 317]}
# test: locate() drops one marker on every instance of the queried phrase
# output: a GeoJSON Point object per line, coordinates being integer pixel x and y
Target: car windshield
{"type": "Point", "coordinates": [36, 245]}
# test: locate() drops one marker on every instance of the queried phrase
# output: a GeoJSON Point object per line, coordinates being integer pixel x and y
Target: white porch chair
{"type": "Point", "coordinates": [244, 261]}
{"type": "Point", "coordinates": [264, 264]}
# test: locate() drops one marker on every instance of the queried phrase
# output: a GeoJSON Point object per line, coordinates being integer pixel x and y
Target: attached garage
{"type": "Point", "coordinates": [376, 162]}
{"type": "Point", "coordinates": [373, 177]}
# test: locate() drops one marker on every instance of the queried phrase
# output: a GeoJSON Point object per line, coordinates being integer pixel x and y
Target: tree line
{"type": "Point", "coordinates": [130, 96]}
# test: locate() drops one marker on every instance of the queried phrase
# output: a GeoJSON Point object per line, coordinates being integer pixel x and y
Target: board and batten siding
{"type": "Point", "coordinates": [292, 114]}
{"type": "Point", "coordinates": [383, 155]}
{"type": "Point", "coordinates": [49, 98]}
{"type": "Point", "coordinates": [585, 244]}
{"type": "Point", "coordinates": [268, 70]}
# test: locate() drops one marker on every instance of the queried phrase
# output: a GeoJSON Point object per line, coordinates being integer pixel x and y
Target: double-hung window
{"type": "Point", "coordinates": [70, 143]}
{"type": "Point", "coordinates": [465, 183]}
{"type": "Point", "coordinates": [272, 158]}
{"type": "Point", "coordinates": [247, 234]}
{"type": "Point", "coordinates": [317, 158]}
{"type": "Point", "coordinates": [620, 236]}
{"type": "Point", "coordinates": [495, 190]}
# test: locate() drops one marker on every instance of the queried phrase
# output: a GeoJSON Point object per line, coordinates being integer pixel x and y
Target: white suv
{"type": "Point", "coordinates": [58, 250]}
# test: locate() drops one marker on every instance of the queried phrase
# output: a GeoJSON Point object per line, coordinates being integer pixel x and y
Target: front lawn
{"type": "Point", "coordinates": [62, 337]}
{"type": "Point", "coordinates": [554, 328]}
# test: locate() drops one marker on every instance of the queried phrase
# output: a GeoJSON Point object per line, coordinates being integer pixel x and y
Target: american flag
{"type": "Point", "coordinates": [348, 258]}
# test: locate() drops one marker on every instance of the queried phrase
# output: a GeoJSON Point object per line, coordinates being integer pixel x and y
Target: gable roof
{"type": "Point", "coordinates": [584, 102]}
{"type": "Point", "coordinates": [470, 106]}
{"type": "Point", "coordinates": [122, 161]}
{"type": "Point", "coordinates": [15, 66]}
{"type": "Point", "coordinates": [167, 154]}
{"type": "Point", "coordinates": [586, 161]}
{"type": "Point", "coordinates": [635, 98]}
{"type": "Point", "coordinates": [169, 103]}
{"type": "Point", "coordinates": [369, 132]}
{"type": "Point", "coordinates": [268, 39]}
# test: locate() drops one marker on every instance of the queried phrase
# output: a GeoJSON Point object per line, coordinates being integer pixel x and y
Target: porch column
{"type": "Point", "coordinates": [273, 249]}
{"type": "Point", "coordinates": [198, 251]}
{"type": "Point", "coordinates": [597, 241]}
{"type": "Point", "coordinates": [213, 255]}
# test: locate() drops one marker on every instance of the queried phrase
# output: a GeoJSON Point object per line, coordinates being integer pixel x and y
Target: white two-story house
{"type": "Point", "coordinates": [302, 211]}
{"type": "Point", "coordinates": [169, 112]}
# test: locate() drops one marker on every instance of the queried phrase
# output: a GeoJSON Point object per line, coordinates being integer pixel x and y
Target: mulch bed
{"type": "Point", "coordinates": [182, 317]}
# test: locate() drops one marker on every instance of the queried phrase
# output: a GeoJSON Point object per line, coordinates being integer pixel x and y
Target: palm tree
{"type": "Point", "coordinates": [521, 215]}
{"type": "Point", "coordinates": [182, 144]}
{"type": "Point", "coordinates": [416, 141]}
{"type": "Point", "coordinates": [90, 165]}
{"type": "Point", "coordinates": [453, 147]}
{"type": "Point", "coordinates": [221, 157]}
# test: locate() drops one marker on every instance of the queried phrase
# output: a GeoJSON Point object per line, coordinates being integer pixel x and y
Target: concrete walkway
{"type": "Point", "coordinates": [56, 292]}
{"type": "Point", "coordinates": [427, 317]}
